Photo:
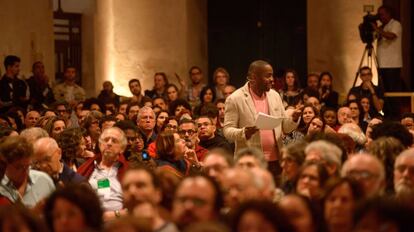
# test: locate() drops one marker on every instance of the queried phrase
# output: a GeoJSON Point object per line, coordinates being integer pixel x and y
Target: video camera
{"type": "Point", "coordinates": [366, 30]}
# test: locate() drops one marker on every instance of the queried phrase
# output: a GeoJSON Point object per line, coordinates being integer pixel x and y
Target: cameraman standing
{"type": "Point", "coordinates": [389, 50]}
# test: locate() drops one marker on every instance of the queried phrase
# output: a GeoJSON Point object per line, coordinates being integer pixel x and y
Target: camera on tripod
{"type": "Point", "coordinates": [366, 30]}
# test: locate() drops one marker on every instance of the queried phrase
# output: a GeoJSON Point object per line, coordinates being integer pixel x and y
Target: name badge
{"type": "Point", "coordinates": [104, 188]}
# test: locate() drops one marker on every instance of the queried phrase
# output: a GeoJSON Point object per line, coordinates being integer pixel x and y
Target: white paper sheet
{"type": "Point", "coordinates": [267, 122]}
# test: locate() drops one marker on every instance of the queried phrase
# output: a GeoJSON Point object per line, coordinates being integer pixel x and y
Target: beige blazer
{"type": "Point", "coordinates": [240, 112]}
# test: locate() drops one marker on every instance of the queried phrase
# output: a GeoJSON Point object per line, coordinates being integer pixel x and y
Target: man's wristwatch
{"type": "Point", "coordinates": [117, 213]}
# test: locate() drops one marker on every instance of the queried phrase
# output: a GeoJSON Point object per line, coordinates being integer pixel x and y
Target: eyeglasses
{"type": "Point", "coordinates": [189, 132]}
{"type": "Point", "coordinates": [366, 74]}
{"type": "Point", "coordinates": [109, 138]}
{"type": "Point", "coordinates": [170, 126]}
{"type": "Point", "coordinates": [364, 175]}
{"type": "Point", "coordinates": [146, 118]}
{"type": "Point", "coordinates": [402, 168]}
{"type": "Point", "coordinates": [40, 162]}
{"type": "Point", "coordinates": [194, 200]}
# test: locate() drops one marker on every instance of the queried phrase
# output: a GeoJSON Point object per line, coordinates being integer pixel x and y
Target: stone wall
{"type": "Point", "coordinates": [26, 30]}
{"type": "Point", "coordinates": [135, 39]}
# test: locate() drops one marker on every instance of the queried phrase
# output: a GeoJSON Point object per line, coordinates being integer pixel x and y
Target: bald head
{"type": "Point", "coordinates": [367, 170]}
{"type": "Point", "coordinates": [256, 66]}
{"type": "Point", "coordinates": [239, 186]}
{"type": "Point", "coordinates": [31, 118]}
{"type": "Point", "coordinates": [47, 155]}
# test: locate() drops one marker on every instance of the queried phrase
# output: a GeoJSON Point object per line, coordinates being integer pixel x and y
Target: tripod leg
{"type": "Point", "coordinates": [359, 66]}
{"type": "Point", "coordinates": [380, 81]}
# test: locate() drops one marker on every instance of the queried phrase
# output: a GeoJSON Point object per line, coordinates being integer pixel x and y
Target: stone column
{"type": "Point", "coordinates": [135, 39]}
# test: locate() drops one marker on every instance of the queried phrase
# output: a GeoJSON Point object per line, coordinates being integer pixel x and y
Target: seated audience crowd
{"type": "Point", "coordinates": [189, 157]}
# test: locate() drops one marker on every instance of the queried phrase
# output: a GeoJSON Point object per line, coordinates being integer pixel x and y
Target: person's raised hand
{"type": "Point", "coordinates": [297, 112]}
{"type": "Point", "coordinates": [180, 80]}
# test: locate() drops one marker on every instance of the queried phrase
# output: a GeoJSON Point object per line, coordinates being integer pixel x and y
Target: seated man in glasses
{"type": "Point", "coordinates": [187, 129]}
{"type": "Point", "coordinates": [104, 171]}
{"type": "Point", "coordinates": [197, 199]}
{"type": "Point", "coordinates": [367, 170]}
{"type": "Point", "coordinates": [209, 139]}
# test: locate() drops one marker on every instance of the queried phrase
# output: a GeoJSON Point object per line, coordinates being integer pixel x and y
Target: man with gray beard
{"type": "Point", "coordinates": [404, 174]}
{"type": "Point", "coordinates": [105, 171]}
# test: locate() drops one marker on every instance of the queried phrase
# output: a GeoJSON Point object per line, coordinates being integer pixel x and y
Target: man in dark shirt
{"type": "Point", "coordinates": [41, 95]}
{"type": "Point", "coordinates": [369, 90]}
{"type": "Point", "coordinates": [146, 125]}
{"type": "Point", "coordinates": [208, 137]}
{"type": "Point", "coordinates": [13, 90]}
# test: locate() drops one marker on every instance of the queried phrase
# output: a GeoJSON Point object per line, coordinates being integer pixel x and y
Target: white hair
{"type": "Point", "coordinates": [329, 151]}
{"type": "Point", "coordinates": [253, 152]}
{"type": "Point", "coordinates": [123, 139]}
{"type": "Point", "coordinates": [353, 131]}
{"type": "Point", "coordinates": [34, 133]}
{"type": "Point", "coordinates": [145, 109]}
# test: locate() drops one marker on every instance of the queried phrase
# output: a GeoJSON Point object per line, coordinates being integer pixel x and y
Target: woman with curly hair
{"type": "Point", "coordinates": [207, 96]}
{"type": "Point", "coordinates": [73, 146]}
{"type": "Point", "coordinates": [177, 106]}
{"type": "Point", "coordinates": [93, 129]}
{"type": "Point", "coordinates": [74, 208]}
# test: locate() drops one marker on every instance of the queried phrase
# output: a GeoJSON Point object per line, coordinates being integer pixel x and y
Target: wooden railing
{"type": "Point", "coordinates": [402, 94]}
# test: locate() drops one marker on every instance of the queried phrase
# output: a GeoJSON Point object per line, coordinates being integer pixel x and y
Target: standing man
{"type": "Point", "coordinates": [13, 90]}
{"type": "Point", "coordinates": [68, 90]}
{"type": "Point", "coordinates": [135, 88]}
{"type": "Point", "coordinates": [242, 108]}
{"type": "Point", "coordinates": [193, 91]}
{"type": "Point", "coordinates": [389, 50]}
{"type": "Point", "coordinates": [41, 95]}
